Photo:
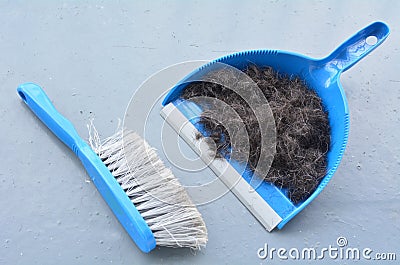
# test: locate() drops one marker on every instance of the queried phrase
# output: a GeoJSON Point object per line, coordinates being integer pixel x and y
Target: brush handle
{"type": "Point", "coordinates": [357, 47]}
{"type": "Point", "coordinates": [41, 105]}
{"type": "Point", "coordinates": [113, 194]}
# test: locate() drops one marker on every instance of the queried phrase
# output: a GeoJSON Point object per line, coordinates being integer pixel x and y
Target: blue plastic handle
{"type": "Point", "coordinates": [113, 194]}
{"type": "Point", "coordinates": [357, 47]}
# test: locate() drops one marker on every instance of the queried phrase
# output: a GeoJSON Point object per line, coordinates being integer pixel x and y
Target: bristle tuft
{"type": "Point", "coordinates": [153, 189]}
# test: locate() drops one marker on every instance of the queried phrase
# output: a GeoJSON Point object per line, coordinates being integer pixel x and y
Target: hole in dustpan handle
{"type": "Point", "coordinates": [357, 47]}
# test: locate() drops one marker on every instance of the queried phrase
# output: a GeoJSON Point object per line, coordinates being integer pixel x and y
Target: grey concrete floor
{"type": "Point", "coordinates": [90, 57]}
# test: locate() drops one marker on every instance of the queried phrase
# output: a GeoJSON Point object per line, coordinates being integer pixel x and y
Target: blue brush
{"type": "Point", "coordinates": [146, 198]}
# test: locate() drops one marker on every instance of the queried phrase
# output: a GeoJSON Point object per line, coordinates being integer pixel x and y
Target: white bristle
{"type": "Point", "coordinates": [152, 188]}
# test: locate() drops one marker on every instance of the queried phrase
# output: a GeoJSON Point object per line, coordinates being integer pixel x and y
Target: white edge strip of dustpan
{"type": "Point", "coordinates": [221, 167]}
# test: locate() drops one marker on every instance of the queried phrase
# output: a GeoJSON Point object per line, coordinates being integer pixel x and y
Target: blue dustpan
{"type": "Point", "coordinates": [323, 76]}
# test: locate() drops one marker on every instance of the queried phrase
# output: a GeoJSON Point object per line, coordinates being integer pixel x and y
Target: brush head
{"type": "Point", "coordinates": [155, 192]}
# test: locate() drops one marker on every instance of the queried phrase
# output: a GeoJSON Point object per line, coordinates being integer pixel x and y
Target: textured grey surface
{"type": "Point", "coordinates": [90, 56]}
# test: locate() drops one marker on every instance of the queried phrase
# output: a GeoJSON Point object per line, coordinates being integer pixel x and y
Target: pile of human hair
{"type": "Point", "coordinates": [301, 121]}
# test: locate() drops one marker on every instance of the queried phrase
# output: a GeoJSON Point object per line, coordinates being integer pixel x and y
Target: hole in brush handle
{"type": "Point", "coordinates": [22, 95]}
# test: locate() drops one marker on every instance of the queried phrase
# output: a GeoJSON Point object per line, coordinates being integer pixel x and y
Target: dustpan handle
{"type": "Point", "coordinates": [357, 47]}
